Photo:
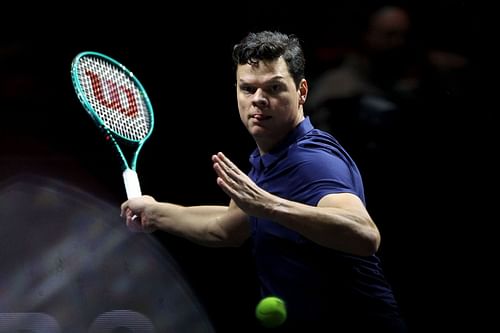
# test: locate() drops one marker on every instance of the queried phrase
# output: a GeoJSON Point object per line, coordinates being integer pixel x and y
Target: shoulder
{"type": "Point", "coordinates": [318, 142]}
{"type": "Point", "coordinates": [318, 150]}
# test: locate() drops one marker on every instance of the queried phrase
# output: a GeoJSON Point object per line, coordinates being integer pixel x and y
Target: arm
{"type": "Point", "coordinates": [339, 221]}
{"type": "Point", "coordinates": [206, 225]}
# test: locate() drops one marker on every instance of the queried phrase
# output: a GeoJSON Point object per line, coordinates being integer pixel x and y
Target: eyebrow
{"type": "Point", "coordinates": [279, 78]}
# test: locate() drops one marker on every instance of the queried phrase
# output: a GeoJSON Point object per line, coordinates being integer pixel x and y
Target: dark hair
{"type": "Point", "coordinates": [269, 45]}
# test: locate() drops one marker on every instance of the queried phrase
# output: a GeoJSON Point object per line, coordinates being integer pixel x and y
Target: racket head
{"type": "Point", "coordinates": [113, 96]}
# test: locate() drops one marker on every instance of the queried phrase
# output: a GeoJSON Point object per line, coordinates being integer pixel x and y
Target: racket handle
{"type": "Point", "coordinates": [131, 182]}
{"type": "Point", "coordinates": [133, 189]}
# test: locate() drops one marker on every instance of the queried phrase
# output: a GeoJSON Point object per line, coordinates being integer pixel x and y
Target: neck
{"type": "Point", "coordinates": [266, 144]}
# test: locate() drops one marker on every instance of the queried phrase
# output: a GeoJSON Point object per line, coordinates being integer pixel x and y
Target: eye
{"type": "Point", "coordinates": [248, 89]}
{"type": "Point", "coordinates": [275, 88]}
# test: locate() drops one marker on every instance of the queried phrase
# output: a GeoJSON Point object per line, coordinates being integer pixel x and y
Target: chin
{"type": "Point", "coordinates": [258, 131]}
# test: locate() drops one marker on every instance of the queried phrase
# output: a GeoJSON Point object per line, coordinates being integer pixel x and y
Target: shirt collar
{"type": "Point", "coordinates": [268, 159]}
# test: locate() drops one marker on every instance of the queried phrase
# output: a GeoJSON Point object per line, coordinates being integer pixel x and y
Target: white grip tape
{"type": "Point", "coordinates": [131, 182]}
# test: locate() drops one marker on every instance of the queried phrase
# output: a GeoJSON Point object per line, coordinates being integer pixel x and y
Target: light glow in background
{"type": "Point", "coordinates": [68, 263]}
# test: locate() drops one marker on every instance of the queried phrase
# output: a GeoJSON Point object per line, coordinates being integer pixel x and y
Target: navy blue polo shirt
{"type": "Point", "coordinates": [315, 282]}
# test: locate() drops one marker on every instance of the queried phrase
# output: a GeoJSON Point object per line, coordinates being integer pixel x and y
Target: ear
{"type": "Point", "coordinates": [303, 89]}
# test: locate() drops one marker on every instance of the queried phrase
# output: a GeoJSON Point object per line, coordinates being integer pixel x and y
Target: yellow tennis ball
{"type": "Point", "coordinates": [271, 311]}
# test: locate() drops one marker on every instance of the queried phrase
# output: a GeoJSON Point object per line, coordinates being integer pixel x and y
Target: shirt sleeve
{"type": "Point", "coordinates": [318, 173]}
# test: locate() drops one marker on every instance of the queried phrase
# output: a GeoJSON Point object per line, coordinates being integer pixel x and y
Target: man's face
{"type": "Point", "coordinates": [268, 100]}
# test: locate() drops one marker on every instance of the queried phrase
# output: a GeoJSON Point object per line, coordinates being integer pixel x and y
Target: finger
{"type": "Point", "coordinates": [228, 165]}
{"type": "Point", "coordinates": [221, 173]}
{"type": "Point", "coordinates": [220, 167]}
{"type": "Point", "coordinates": [226, 161]}
{"type": "Point", "coordinates": [123, 208]}
{"type": "Point", "coordinates": [133, 224]}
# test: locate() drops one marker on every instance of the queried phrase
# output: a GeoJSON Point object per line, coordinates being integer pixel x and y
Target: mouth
{"type": "Point", "coordinates": [259, 117]}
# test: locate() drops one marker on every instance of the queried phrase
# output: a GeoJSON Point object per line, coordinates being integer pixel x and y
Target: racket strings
{"type": "Point", "coordinates": [115, 97]}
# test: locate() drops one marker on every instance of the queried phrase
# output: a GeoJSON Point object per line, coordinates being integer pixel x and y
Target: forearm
{"type": "Point", "coordinates": [214, 226]}
{"type": "Point", "coordinates": [194, 223]}
{"type": "Point", "coordinates": [350, 230]}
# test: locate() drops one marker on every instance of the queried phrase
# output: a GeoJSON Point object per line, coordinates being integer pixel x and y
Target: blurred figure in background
{"type": "Point", "coordinates": [388, 83]}
{"type": "Point", "coordinates": [362, 98]}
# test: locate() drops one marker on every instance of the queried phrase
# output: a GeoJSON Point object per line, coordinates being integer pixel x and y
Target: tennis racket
{"type": "Point", "coordinates": [118, 105]}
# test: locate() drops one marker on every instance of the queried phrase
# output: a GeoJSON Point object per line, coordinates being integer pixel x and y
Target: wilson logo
{"type": "Point", "coordinates": [111, 99]}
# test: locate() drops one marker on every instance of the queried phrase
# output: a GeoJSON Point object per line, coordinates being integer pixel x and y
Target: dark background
{"type": "Point", "coordinates": [423, 196]}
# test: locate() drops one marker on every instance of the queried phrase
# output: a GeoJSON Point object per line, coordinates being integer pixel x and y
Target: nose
{"type": "Point", "coordinates": [259, 98]}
